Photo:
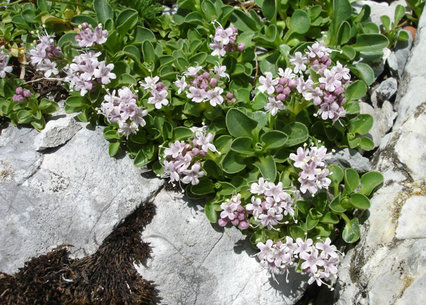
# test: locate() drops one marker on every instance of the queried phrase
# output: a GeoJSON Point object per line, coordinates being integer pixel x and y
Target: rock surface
{"type": "Point", "coordinates": [74, 194]}
{"type": "Point", "coordinates": [196, 263]}
{"type": "Point", "coordinates": [389, 264]}
{"type": "Point", "coordinates": [350, 158]}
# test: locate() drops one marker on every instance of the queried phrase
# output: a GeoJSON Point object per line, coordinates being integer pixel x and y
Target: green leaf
{"type": "Point", "coordinates": [330, 218]}
{"type": "Point", "coordinates": [24, 116]}
{"type": "Point", "coordinates": [344, 33]}
{"type": "Point", "coordinates": [242, 145]}
{"type": "Point", "coordinates": [403, 35]}
{"type": "Point", "coordinates": [181, 132]}
{"type": "Point", "coordinates": [336, 206]}
{"type": "Point", "coordinates": [267, 167]}
{"type": "Point", "coordinates": [361, 124]}
{"type": "Point", "coordinates": [356, 90]}
{"type": "Point", "coordinates": [223, 143]}
{"type": "Point", "coordinates": [297, 133]}
{"type": "Point", "coordinates": [210, 209]}
{"type": "Point", "coordinates": [68, 38]}
{"type": "Point", "coordinates": [348, 52]}
{"type": "Point", "coordinates": [269, 9]}
{"type": "Point", "coordinates": [366, 143]}
{"type": "Point", "coordinates": [133, 52]}
{"type": "Point", "coordinates": [336, 174]}
{"type": "Point", "coordinates": [113, 148]}
{"type": "Point", "coordinates": [399, 13]}
{"type": "Point", "coordinates": [209, 10]}
{"type": "Point", "coordinates": [300, 22]}
{"type": "Point", "coordinates": [274, 139]}
{"type": "Point", "coordinates": [351, 232]}
{"type": "Point", "coordinates": [297, 232]}
{"type": "Point", "coordinates": [126, 21]}
{"type": "Point", "coordinates": [239, 124]}
{"type": "Point", "coordinates": [79, 19]}
{"type": "Point", "coordinates": [148, 52]}
{"type": "Point", "coordinates": [359, 201]}
{"type": "Point", "coordinates": [243, 22]}
{"type": "Point", "coordinates": [364, 72]}
{"type": "Point", "coordinates": [232, 163]}
{"type": "Point", "coordinates": [47, 106]}
{"type": "Point", "coordinates": [142, 34]}
{"type": "Point", "coordinates": [204, 187]}
{"type": "Point", "coordinates": [76, 101]}
{"type": "Point", "coordinates": [212, 169]}
{"type": "Point", "coordinates": [351, 178]}
{"type": "Point", "coordinates": [145, 155]}
{"type": "Point", "coordinates": [369, 181]}
{"type": "Point", "coordinates": [386, 22]}
{"type": "Point", "coordinates": [303, 206]}
{"type": "Point", "coordinates": [370, 46]}
{"type": "Point", "coordinates": [103, 10]}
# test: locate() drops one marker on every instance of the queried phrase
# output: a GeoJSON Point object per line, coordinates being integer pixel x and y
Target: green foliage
{"type": "Point", "coordinates": [250, 142]}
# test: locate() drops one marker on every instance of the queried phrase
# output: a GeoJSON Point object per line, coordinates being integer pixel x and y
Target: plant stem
{"type": "Point", "coordinates": [44, 78]}
{"type": "Point", "coordinates": [345, 218]}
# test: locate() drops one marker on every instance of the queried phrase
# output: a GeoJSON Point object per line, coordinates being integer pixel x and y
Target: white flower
{"type": "Point", "coordinates": [273, 106]}
{"type": "Point", "coordinates": [192, 71]}
{"type": "Point", "coordinates": [220, 71]}
{"type": "Point", "coordinates": [214, 96]}
{"type": "Point", "coordinates": [181, 84]}
{"type": "Point", "coordinates": [299, 62]}
{"type": "Point", "coordinates": [267, 83]}
{"type": "Point", "coordinates": [150, 82]}
{"type": "Point", "coordinates": [288, 73]}
{"type": "Point", "coordinates": [197, 95]}
{"type": "Point", "coordinates": [205, 141]}
{"type": "Point", "coordinates": [192, 175]}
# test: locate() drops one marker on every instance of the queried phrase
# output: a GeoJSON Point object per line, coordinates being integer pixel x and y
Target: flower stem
{"type": "Point", "coordinates": [44, 78]}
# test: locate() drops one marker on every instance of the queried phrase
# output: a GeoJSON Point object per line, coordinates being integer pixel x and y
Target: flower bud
{"type": "Point", "coordinates": [244, 225]}
{"type": "Point", "coordinates": [229, 95]}
{"type": "Point", "coordinates": [283, 81]}
{"type": "Point", "coordinates": [235, 222]}
{"type": "Point", "coordinates": [18, 98]}
{"type": "Point", "coordinates": [213, 82]}
{"type": "Point", "coordinates": [241, 46]}
{"type": "Point", "coordinates": [292, 83]}
{"type": "Point", "coordinates": [281, 97]}
{"type": "Point", "coordinates": [222, 222]}
{"type": "Point", "coordinates": [19, 90]}
{"type": "Point", "coordinates": [27, 93]}
{"type": "Point", "coordinates": [286, 91]}
{"type": "Point", "coordinates": [279, 89]}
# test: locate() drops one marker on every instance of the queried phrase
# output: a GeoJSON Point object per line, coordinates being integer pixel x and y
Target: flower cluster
{"type": "Point", "coordinates": [89, 36]}
{"type": "Point", "coordinates": [123, 109]}
{"type": "Point", "coordinates": [182, 160]}
{"type": "Point", "coordinates": [269, 203]}
{"type": "Point", "coordinates": [313, 176]}
{"type": "Point", "coordinates": [202, 86]}
{"type": "Point", "coordinates": [224, 41]}
{"type": "Point", "coordinates": [158, 91]}
{"type": "Point", "coordinates": [86, 71]}
{"type": "Point", "coordinates": [319, 262]}
{"type": "Point", "coordinates": [44, 54]}
{"type": "Point", "coordinates": [4, 68]}
{"type": "Point", "coordinates": [234, 212]}
{"type": "Point", "coordinates": [21, 95]}
{"type": "Point", "coordinates": [327, 94]}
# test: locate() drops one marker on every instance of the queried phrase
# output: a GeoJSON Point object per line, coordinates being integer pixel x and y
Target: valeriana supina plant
{"type": "Point", "coordinates": [319, 260]}
{"type": "Point", "coordinates": [121, 108]}
{"type": "Point", "coordinates": [158, 91]}
{"type": "Point", "coordinates": [44, 54]}
{"type": "Point", "coordinates": [86, 72]}
{"type": "Point", "coordinates": [224, 41]}
{"type": "Point", "coordinates": [89, 37]}
{"type": "Point", "coordinates": [204, 86]}
{"type": "Point", "coordinates": [182, 160]}
{"type": "Point", "coordinates": [234, 212]}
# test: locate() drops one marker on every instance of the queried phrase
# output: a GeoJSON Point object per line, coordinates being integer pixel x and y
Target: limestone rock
{"type": "Point", "coordinates": [350, 158]}
{"type": "Point", "coordinates": [383, 119]}
{"type": "Point", "coordinates": [196, 263]}
{"type": "Point", "coordinates": [398, 58]}
{"type": "Point", "coordinates": [386, 89]}
{"type": "Point", "coordinates": [74, 195]}
{"type": "Point", "coordinates": [56, 133]}
{"type": "Point", "coordinates": [379, 9]}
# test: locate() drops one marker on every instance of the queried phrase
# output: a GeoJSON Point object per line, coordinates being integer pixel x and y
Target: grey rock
{"type": "Point", "coordinates": [383, 119]}
{"type": "Point", "coordinates": [196, 263]}
{"type": "Point", "coordinates": [56, 133]}
{"type": "Point", "coordinates": [379, 9]}
{"type": "Point", "coordinates": [386, 89]}
{"type": "Point", "coordinates": [74, 195]}
{"type": "Point", "coordinates": [388, 266]}
{"type": "Point", "coordinates": [399, 56]}
{"type": "Point", "coordinates": [350, 158]}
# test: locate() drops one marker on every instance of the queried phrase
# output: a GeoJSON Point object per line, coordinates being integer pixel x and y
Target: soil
{"type": "Point", "coordinates": [106, 277]}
